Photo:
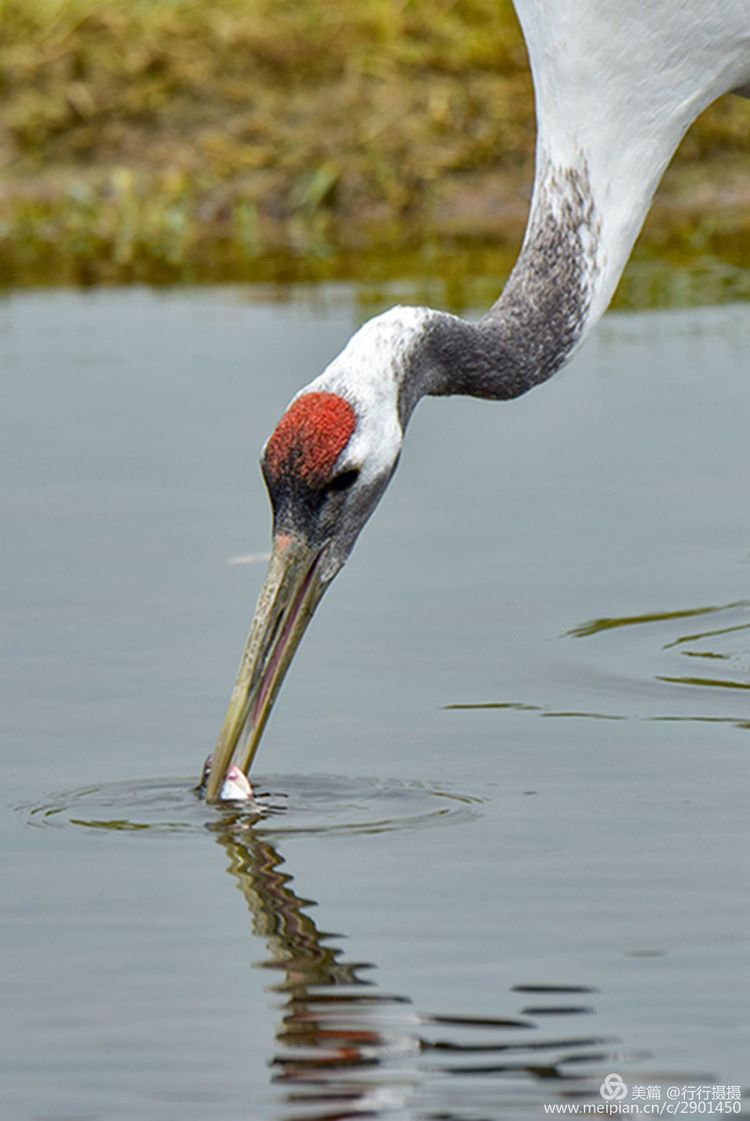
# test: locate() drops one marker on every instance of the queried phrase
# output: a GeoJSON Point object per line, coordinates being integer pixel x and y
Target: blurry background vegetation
{"type": "Point", "coordinates": [297, 139]}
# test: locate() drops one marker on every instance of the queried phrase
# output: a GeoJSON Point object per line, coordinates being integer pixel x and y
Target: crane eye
{"type": "Point", "coordinates": [343, 481]}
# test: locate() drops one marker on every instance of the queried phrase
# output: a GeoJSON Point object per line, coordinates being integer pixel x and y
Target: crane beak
{"type": "Point", "coordinates": [287, 601]}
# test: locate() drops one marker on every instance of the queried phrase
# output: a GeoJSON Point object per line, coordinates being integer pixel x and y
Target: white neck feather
{"type": "Point", "coordinates": [617, 84]}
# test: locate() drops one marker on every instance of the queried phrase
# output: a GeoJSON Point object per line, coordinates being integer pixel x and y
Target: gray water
{"type": "Point", "coordinates": [504, 846]}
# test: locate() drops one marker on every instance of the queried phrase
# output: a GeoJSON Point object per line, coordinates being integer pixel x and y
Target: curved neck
{"type": "Point", "coordinates": [543, 313]}
{"type": "Point", "coordinates": [612, 108]}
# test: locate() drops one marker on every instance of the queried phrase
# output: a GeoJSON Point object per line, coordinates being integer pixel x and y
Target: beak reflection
{"type": "Point", "coordinates": [287, 601]}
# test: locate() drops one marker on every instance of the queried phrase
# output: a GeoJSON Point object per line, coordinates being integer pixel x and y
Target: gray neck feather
{"type": "Point", "coordinates": [541, 315]}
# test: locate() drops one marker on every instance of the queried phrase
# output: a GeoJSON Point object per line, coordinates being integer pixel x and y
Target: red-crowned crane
{"type": "Point", "coordinates": [617, 84]}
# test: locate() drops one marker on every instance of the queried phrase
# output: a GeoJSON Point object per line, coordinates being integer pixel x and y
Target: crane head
{"type": "Point", "coordinates": [326, 465]}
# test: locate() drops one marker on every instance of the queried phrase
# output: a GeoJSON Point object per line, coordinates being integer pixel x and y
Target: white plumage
{"type": "Point", "coordinates": [617, 84]}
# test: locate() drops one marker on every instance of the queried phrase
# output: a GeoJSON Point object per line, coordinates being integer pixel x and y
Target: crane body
{"type": "Point", "coordinates": [617, 84]}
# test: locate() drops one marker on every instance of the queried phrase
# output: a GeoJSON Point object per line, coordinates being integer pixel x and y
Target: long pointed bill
{"type": "Point", "coordinates": [287, 601]}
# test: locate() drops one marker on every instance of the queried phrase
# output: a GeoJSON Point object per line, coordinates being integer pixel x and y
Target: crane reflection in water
{"type": "Point", "coordinates": [345, 1048]}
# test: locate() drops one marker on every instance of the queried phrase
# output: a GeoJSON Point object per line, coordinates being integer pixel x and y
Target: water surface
{"type": "Point", "coordinates": [501, 849]}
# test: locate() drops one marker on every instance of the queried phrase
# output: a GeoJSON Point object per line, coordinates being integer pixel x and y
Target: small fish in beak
{"type": "Point", "coordinates": [235, 788]}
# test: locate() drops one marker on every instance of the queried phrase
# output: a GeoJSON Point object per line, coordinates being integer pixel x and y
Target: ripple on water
{"type": "Point", "coordinates": [643, 657]}
{"type": "Point", "coordinates": [285, 805]}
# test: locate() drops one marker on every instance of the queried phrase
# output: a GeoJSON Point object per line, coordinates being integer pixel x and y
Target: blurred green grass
{"type": "Point", "coordinates": [206, 139]}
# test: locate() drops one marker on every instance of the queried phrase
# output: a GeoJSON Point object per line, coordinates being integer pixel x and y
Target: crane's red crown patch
{"type": "Point", "coordinates": [310, 437]}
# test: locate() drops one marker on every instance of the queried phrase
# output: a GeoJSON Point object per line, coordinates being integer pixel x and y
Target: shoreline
{"type": "Point", "coordinates": [116, 227]}
{"type": "Point", "coordinates": [166, 139]}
